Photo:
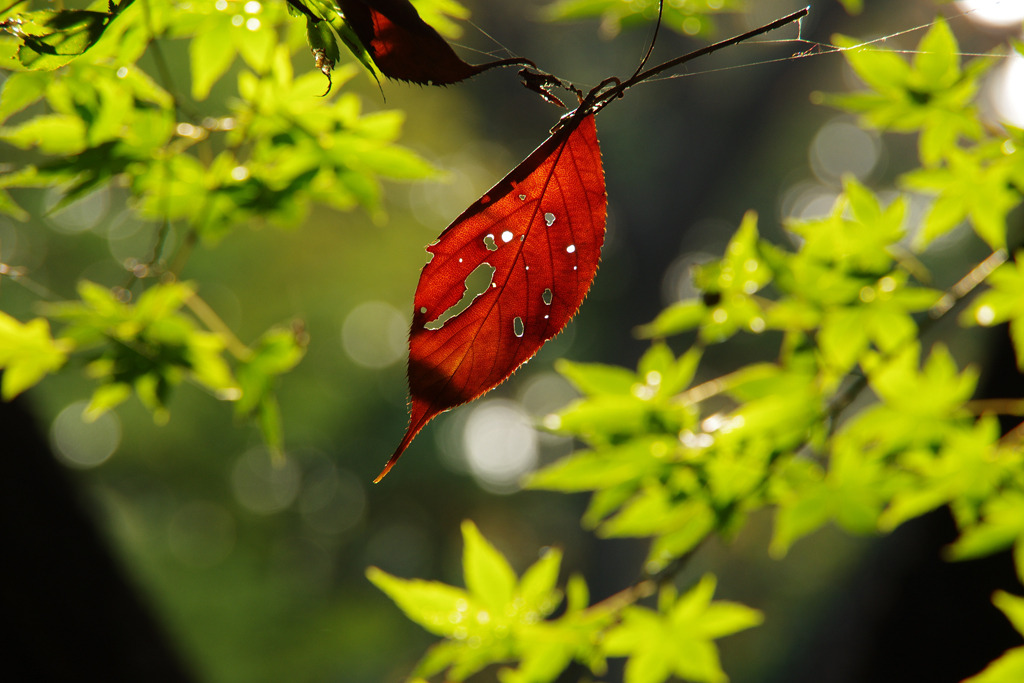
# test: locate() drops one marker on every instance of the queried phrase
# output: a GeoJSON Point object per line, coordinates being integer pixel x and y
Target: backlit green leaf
{"type": "Point", "coordinates": [27, 354]}
{"type": "Point", "coordinates": [429, 603]}
{"type": "Point", "coordinates": [489, 578]}
{"type": "Point", "coordinates": [210, 55]}
{"type": "Point", "coordinates": [1012, 606]}
{"type": "Point", "coordinates": [21, 90]}
{"type": "Point", "coordinates": [678, 639]}
{"type": "Point", "coordinates": [595, 379]}
{"type": "Point", "coordinates": [676, 319]}
{"type": "Point", "coordinates": [937, 61]}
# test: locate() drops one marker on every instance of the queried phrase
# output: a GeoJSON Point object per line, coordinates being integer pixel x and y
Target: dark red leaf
{"type": "Point", "coordinates": [537, 234]}
{"type": "Point", "coordinates": [405, 47]}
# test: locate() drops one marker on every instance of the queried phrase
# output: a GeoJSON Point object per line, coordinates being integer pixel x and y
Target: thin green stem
{"type": "Point", "coordinates": [968, 283]}
{"type": "Point", "coordinates": [626, 597]}
{"type": "Point", "coordinates": [213, 323]}
{"type": "Point", "coordinates": [180, 258]}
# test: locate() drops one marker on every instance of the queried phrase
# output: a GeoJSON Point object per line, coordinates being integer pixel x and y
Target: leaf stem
{"type": "Point", "coordinates": [706, 390]}
{"type": "Point", "coordinates": [178, 264]}
{"type": "Point", "coordinates": [160, 61]}
{"type": "Point", "coordinates": [968, 283]}
{"type": "Point", "coordinates": [1013, 437]}
{"type": "Point", "coordinates": [627, 596]}
{"type": "Point", "coordinates": [209, 317]}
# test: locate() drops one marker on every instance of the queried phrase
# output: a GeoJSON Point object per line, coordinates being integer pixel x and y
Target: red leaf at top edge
{"type": "Point", "coordinates": [402, 45]}
{"type": "Point", "coordinates": [540, 229]}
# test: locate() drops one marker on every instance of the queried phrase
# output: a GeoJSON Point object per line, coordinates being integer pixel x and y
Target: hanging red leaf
{"type": "Point", "coordinates": [405, 47]}
{"type": "Point", "coordinates": [531, 244]}
{"type": "Point", "coordinates": [512, 270]}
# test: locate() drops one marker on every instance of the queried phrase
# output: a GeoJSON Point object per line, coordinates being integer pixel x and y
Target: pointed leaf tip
{"type": "Point", "coordinates": [540, 230]}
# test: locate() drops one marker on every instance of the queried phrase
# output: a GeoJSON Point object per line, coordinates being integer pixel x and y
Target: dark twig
{"type": "Point", "coordinates": [600, 97]}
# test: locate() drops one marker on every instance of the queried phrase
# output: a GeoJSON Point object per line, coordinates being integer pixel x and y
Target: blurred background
{"type": "Point", "coordinates": [183, 546]}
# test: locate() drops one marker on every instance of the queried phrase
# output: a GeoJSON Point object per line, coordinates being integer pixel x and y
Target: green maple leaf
{"type": "Point", "coordinates": [677, 640]}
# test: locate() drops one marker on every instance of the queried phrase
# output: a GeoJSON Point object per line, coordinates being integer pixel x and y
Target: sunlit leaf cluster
{"type": "Point", "coordinates": [850, 311]}
{"type": "Point", "coordinates": [277, 147]}
{"type": "Point", "coordinates": [972, 173]}
{"type": "Point", "coordinates": [862, 420]}
{"type": "Point", "coordinates": [678, 459]}
{"type": "Point", "coordinates": [166, 336]}
{"type": "Point", "coordinates": [239, 140]}
{"type": "Point", "coordinates": [501, 619]}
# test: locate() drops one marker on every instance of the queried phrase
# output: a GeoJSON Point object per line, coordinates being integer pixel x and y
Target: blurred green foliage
{"type": "Point", "coordinates": [274, 152]}
{"type": "Point", "coordinates": [692, 17]}
{"type": "Point", "coordinates": [499, 619]}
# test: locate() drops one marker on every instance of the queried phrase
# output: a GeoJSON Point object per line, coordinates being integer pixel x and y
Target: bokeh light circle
{"type": "Point", "coordinates": [263, 484]}
{"type": "Point", "coordinates": [80, 215]}
{"type": "Point", "coordinates": [332, 500]}
{"type": "Point", "coordinates": [375, 334]}
{"type": "Point", "coordinates": [840, 148]}
{"type": "Point", "coordinates": [500, 444]}
{"type": "Point", "coordinates": [993, 12]}
{"type": "Point", "coordinates": [1006, 89]}
{"type": "Point", "coordinates": [84, 444]}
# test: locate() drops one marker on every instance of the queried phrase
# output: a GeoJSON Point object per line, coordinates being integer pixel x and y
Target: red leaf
{"type": "Point", "coordinates": [538, 233]}
{"type": "Point", "coordinates": [402, 45]}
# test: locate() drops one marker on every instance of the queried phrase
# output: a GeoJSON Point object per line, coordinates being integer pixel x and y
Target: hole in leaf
{"type": "Point", "coordinates": [506, 236]}
{"type": "Point", "coordinates": [476, 283]}
{"type": "Point", "coordinates": [549, 218]}
{"type": "Point", "coordinates": [518, 327]}
{"type": "Point", "coordinates": [490, 243]}
{"type": "Point", "coordinates": [546, 297]}
{"type": "Point", "coordinates": [522, 197]}
{"type": "Point", "coordinates": [571, 248]}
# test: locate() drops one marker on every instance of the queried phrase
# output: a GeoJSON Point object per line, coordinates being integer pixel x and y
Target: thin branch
{"type": "Point", "coordinates": [968, 283]}
{"type": "Point", "coordinates": [1013, 437]}
{"type": "Point", "coordinates": [626, 596]}
{"type": "Point", "coordinates": [178, 264]}
{"type": "Point", "coordinates": [598, 98]}
{"type": "Point", "coordinates": [996, 406]}
{"type": "Point", "coordinates": [213, 323]}
{"type": "Point", "coordinates": [162, 67]}
{"type": "Point", "coordinates": [705, 390]}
